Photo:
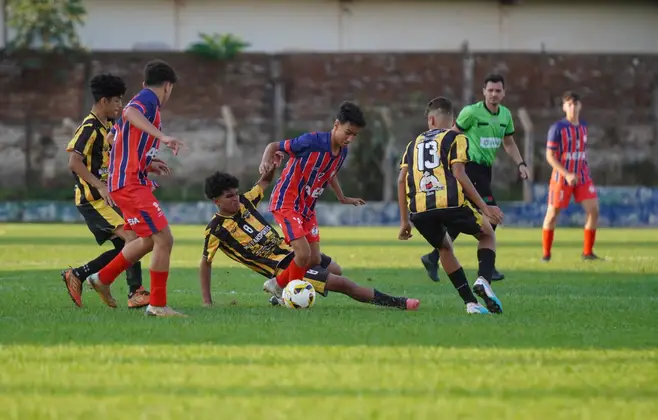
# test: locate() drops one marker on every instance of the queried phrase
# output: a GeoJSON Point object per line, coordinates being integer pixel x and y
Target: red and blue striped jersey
{"type": "Point", "coordinates": [134, 149]}
{"type": "Point", "coordinates": [310, 167]}
{"type": "Point", "coordinates": [569, 143]}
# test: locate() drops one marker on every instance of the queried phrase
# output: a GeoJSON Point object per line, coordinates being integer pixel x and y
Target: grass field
{"type": "Point", "coordinates": [577, 340]}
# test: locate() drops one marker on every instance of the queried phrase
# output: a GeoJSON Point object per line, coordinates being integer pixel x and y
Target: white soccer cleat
{"type": "Point", "coordinates": [161, 311]}
{"type": "Point", "coordinates": [273, 288]}
{"type": "Point", "coordinates": [476, 308]}
{"type": "Point", "coordinates": [483, 290]}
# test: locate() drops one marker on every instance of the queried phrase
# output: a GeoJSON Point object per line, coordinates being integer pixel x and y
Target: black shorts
{"type": "Point", "coordinates": [481, 175]}
{"type": "Point", "coordinates": [102, 220]}
{"type": "Point", "coordinates": [434, 224]}
{"type": "Point", "coordinates": [317, 275]}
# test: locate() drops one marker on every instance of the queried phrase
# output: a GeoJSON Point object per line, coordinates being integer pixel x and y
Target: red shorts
{"type": "Point", "coordinates": [294, 226]}
{"type": "Point", "coordinates": [559, 195]}
{"type": "Point", "coordinates": [140, 209]}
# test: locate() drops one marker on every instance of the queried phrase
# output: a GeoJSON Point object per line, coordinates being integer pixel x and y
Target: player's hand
{"type": "Point", "coordinates": [405, 231]}
{"type": "Point", "coordinates": [173, 143]}
{"type": "Point", "coordinates": [265, 168]}
{"type": "Point", "coordinates": [160, 168]}
{"type": "Point", "coordinates": [524, 172]}
{"type": "Point", "coordinates": [571, 179]}
{"type": "Point", "coordinates": [494, 214]}
{"type": "Point", "coordinates": [353, 201]}
{"type": "Point", "coordinates": [278, 159]}
{"type": "Point", "coordinates": [105, 195]}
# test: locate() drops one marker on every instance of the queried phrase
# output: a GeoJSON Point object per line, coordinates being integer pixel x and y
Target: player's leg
{"type": "Point", "coordinates": [138, 296]}
{"type": "Point", "coordinates": [102, 221]}
{"type": "Point", "coordinates": [587, 197]}
{"type": "Point", "coordinates": [313, 238]}
{"type": "Point", "coordinates": [295, 235]}
{"type": "Point", "coordinates": [486, 255]}
{"type": "Point", "coordinates": [558, 199]}
{"type": "Point", "coordinates": [486, 192]}
{"type": "Point", "coordinates": [432, 227]}
{"type": "Point", "coordinates": [323, 281]}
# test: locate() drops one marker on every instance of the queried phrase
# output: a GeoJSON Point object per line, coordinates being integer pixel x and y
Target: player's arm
{"type": "Point", "coordinates": [266, 178]}
{"type": "Point", "coordinates": [79, 147]}
{"type": "Point", "coordinates": [405, 225]}
{"type": "Point", "coordinates": [464, 120]}
{"type": "Point", "coordinates": [210, 246]}
{"type": "Point", "coordinates": [335, 185]}
{"type": "Point", "coordinates": [136, 114]}
{"type": "Point", "coordinates": [553, 152]}
{"type": "Point", "coordinates": [513, 150]}
{"type": "Point", "coordinates": [305, 143]}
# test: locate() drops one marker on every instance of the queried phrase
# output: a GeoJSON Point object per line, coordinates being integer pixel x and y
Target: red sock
{"type": "Point", "coordinates": [158, 288]}
{"type": "Point", "coordinates": [110, 272]}
{"type": "Point", "coordinates": [547, 241]}
{"type": "Point", "coordinates": [293, 272]}
{"type": "Point", "coordinates": [588, 243]}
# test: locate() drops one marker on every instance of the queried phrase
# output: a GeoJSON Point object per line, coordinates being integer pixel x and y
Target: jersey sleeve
{"type": "Point", "coordinates": [82, 140]}
{"type": "Point", "coordinates": [510, 130]}
{"type": "Point", "coordinates": [146, 103]}
{"type": "Point", "coordinates": [459, 150]}
{"type": "Point", "coordinates": [255, 194]}
{"type": "Point", "coordinates": [403, 161]}
{"type": "Point", "coordinates": [465, 119]}
{"type": "Point", "coordinates": [302, 144]}
{"type": "Point", "coordinates": [554, 139]}
{"type": "Point", "coordinates": [210, 245]}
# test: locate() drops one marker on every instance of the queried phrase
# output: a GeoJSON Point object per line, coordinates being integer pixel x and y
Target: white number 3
{"type": "Point", "coordinates": [432, 149]}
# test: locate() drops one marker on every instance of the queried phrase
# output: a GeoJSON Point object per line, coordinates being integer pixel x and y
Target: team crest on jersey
{"type": "Point", "coordinates": [430, 183]}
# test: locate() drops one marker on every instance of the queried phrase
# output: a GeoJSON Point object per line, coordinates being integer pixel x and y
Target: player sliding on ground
{"type": "Point", "coordinates": [433, 187]}
{"type": "Point", "coordinates": [243, 234]}
{"type": "Point", "coordinates": [315, 159]}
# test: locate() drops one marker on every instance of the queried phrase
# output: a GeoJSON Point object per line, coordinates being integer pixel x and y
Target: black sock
{"type": "Point", "coordinates": [94, 266]}
{"type": "Point", "coordinates": [382, 299]}
{"type": "Point", "coordinates": [487, 260]}
{"type": "Point", "coordinates": [434, 256]}
{"type": "Point", "coordinates": [458, 279]}
{"type": "Point", "coordinates": [134, 277]}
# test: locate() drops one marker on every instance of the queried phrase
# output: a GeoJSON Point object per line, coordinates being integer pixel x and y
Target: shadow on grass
{"type": "Point", "coordinates": [542, 310]}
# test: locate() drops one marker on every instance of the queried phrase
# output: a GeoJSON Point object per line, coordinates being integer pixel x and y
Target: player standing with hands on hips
{"type": "Point", "coordinates": [487, 125]}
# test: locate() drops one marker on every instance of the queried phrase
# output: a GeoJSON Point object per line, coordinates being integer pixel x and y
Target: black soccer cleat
{"type": "Point", "coordinates": [546, 258]}
{"type": "Point", "coordinates": [431, 266]}
{"type": "Point", "coordinates": [496, 276]}
{"type": "Point", "coordinates": [592, 257]}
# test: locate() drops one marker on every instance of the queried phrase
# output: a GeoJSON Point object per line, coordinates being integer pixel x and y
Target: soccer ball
{"type": "Point", "coordinates": [298, 294]}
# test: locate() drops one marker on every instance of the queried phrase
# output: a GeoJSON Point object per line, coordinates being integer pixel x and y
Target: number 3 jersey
{"type": "Point", "coordinates": [428, 159]}
{"type": "Point", "coordinates": [246, 237]}
{"type": "Point", "coordinates": [310, 167]}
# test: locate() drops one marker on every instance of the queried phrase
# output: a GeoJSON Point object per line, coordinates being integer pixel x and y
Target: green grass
{"type": "Point", "coordinates": [577, 340]}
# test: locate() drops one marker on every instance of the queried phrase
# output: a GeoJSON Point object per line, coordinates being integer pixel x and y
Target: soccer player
{"type": "Point", "coordinates": [433, 186]}
{"type": "Point", "coordinates": [566, 152]}
{"type": "Point", "coordinates": [89, 156]}
{"type": "Point", "coordinates": [487, 125]}
{"type": "Point", "coordinates": [136, 143]}
{"type": "Point", "coordinates": [242, 233]}
{"type": "Point", "coordinates": [315, 159]}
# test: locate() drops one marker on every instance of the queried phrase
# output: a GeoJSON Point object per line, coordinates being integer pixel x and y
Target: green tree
{"type": "Point", "coordinates": [46, 25]}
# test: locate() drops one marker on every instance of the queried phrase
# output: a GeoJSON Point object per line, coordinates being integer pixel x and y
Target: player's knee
{"type": "Point", "coordinates": [335, 269]}
{"type": "Point", "coordinates": [163, 239]}
{"type": "Point", "coordinates": [314, 260]}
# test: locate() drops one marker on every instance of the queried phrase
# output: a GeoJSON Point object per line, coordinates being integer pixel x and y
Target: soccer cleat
{"type": "Point", "coordinates": [592, 257]}
{"type": "Point", "coordinates": [497, 276]}
{"type": "Point", "coordinates": [273, 288]}
{"type": "Point", "coordinates": [476, 308]}
{"type": "Point", "coordinates": [73, 285]}
{"type": "Point", "coordinates": [164, 311]}
{"type": "Point", "coordinates": [276, 301]}
{"type": "Point", "coordinates": [482, 289]}
{"type": "Point", "coordinates": [103, 290]}
{"type": "Point", "coordinates": [139, 298]}
{"type": "Point", "coordinates": [412, 304]}
{"type": "Point", "coordinates": [546, 258]}
{"type": "Point", "coordinates": [431, 266]}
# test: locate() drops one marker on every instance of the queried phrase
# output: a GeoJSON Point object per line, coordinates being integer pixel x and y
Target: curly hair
{"type": "Point", "coordinates": [219, 182]}
{"type": "Point", "coordinates": [107, 86]}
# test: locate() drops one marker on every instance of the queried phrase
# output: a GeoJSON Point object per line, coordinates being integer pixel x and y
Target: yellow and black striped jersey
{"type": "Point", "coordinates": [246, 237]}
{"type": "Point", "coordinates": [90, 142]}
{"type": "Point", "coordinates": [428, 159]}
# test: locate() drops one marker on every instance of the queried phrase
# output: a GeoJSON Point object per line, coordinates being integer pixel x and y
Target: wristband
{"type": "Point", "coordinates": [522, 163]}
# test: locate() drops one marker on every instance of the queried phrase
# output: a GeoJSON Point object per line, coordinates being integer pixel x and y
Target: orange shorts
{"type": "Point", "coordinates": [294, 226]}
{"type": "Point", "coordinates": [559, 195]}
{"type": "Point", "coordinates": [140, 209]}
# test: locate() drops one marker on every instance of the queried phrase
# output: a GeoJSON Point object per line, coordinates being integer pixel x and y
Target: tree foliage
{"type": "Point", "coordinates": [45, 25]}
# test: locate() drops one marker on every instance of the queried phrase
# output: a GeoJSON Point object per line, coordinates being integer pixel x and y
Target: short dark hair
{"type": "Point", "coordinates": [350, 112]}
{"type": "Point", "coordinates": [494, 78]}
{"type": "Point", "coordinates": [219, 182]}
{"type": "Point", "coordinates": [107, 86]}
{"type": "Point", "coordinates": [158, 72]}
{"type": "Point", "coordinates": [441, 104]}
{"type": "Point", "coordinates": [570, 95]}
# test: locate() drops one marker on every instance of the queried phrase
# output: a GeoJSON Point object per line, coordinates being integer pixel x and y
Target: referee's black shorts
{"type": "Point", "coordinates": [480, 175]}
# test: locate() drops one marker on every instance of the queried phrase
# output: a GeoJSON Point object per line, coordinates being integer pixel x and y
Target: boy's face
{"type": "Point", "coordinates": [112, 107]}
{"type": "Point", "coordinates": [345, 133]}
{"type": "Point", "coordinates": [229, 201]}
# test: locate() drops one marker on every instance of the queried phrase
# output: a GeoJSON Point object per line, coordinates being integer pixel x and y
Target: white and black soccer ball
{"type": "Point", "coordinates": [298, 294]}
